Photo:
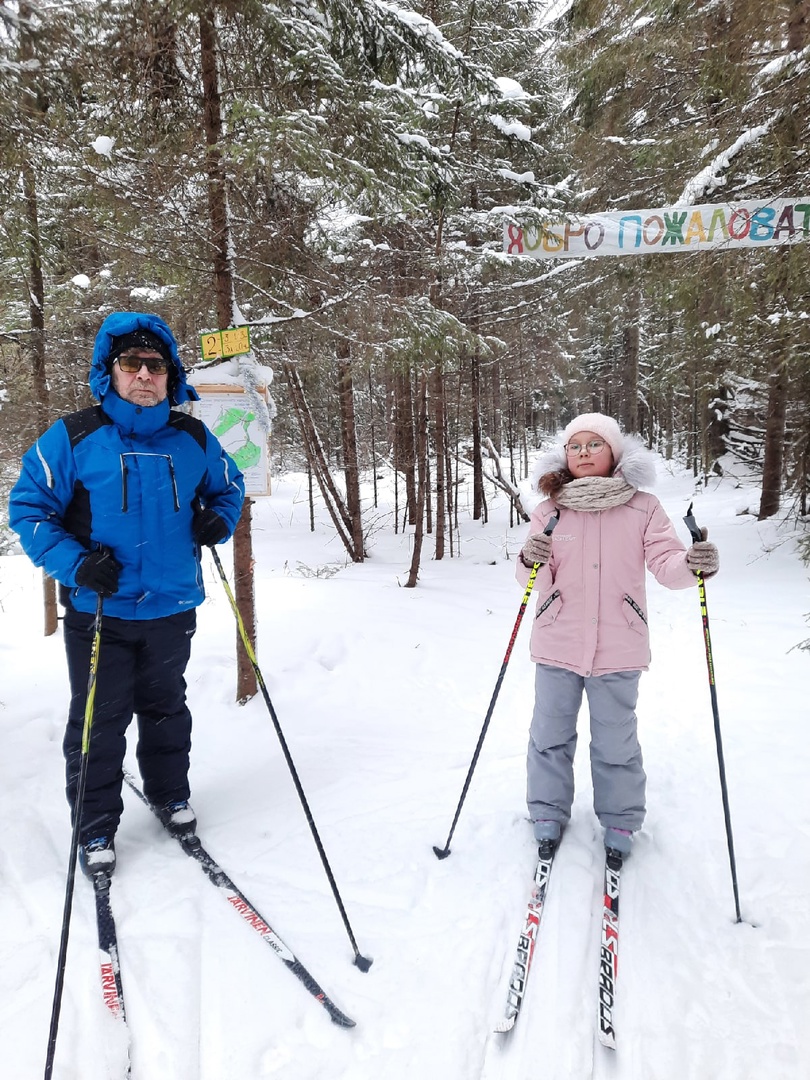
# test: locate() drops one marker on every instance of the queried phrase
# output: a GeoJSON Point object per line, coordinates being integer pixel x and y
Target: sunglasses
{"type": "Point", "coordinates": [155, 365]}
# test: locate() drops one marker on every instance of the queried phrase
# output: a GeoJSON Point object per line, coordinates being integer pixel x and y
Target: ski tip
{"type": "Point", "coordinates": [441, 853]}
{"type": "Point", "coordinates": [363, 962]}
{"type": "Point", "coordinates": [607, 1039]}
{"type": "Point", "coordinates": [505, 1025]}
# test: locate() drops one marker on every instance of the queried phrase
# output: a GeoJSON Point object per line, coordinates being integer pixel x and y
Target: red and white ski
{"type": "Point", "coordinates": [528, 938]}
{"type": "Point", "coordinates": [609, 950]}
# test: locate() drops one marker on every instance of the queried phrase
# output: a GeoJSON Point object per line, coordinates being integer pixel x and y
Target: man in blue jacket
{"type": "Point", "coordinates": [117, 501]}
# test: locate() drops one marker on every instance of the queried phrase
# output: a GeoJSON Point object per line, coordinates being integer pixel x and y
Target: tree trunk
{"type": "Point", "coordinates": [36, 310]}
{"type": "Point", "coordinates": [316, 457]}
{"type": "Point", "coordinates": [629, 376]}
{"type": "Point", "coordinates": [244, 596]}
{"type": "Point", "coordinates": [311, 497]}
{"type": "Point", "coordinates": [217, 190]}
{"type": "Point", "coordinates": [440, 440]}
{"type": "Point", "coordinates": [798, 23]}
{"type": "Point", "coordinates": [479, 504]}
{"type": "Point", "coordinates": [348, 430]}
{"type": "Point", "coordinates": [422, 443]}
{"type": "Point", "coordinates": [774, 440]}
{"type": "Point", "coordinates": [406, 447]}
{"type": "Point", "coordinates": [804, 474]}
{"type": "Point", "coordinates": [31, 109]}
{"type": "Point", "coordinates": [395, 449]}
{"type": "Point", "coordinates": [496, 428]}
{"type": "Point", "coordinates": [223, 282]}
{"type": "Point", "coordinates": [373, 435]}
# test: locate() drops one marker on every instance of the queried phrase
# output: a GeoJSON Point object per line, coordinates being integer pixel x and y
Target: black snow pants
{"type": "Point", "coordinates": [141, 665]}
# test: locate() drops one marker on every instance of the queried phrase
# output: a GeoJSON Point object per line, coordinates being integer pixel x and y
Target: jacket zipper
{"type": "Point", "coordinates": [125, 476]}
{"type": "Point", "coordinates": [546, 603]}
{"type": "Point", "coordinates": [629, 600]}
{"type": "Point", "coordinates": [174, 484]}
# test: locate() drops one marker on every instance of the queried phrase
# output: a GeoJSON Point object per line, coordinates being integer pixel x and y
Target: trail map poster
{"type": "Point", "coordinates": [229, 413]}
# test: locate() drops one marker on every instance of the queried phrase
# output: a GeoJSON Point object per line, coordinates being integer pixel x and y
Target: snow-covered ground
{"type": "Point", "coordinates": [381, 692]}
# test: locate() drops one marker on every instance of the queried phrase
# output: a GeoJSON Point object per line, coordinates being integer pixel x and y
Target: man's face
{"type": "Point", "coordinates": [139, 385]}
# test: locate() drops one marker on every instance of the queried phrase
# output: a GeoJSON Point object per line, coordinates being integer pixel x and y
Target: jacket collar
{"type": "Point", "coordinates": [135, 420]}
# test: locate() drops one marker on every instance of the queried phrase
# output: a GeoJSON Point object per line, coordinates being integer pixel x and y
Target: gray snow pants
{"type": "Point", "coordinates": [617, 771]}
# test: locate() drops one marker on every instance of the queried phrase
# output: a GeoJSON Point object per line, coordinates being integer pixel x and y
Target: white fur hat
{"type": "Point", "coordinates": [604, 426]}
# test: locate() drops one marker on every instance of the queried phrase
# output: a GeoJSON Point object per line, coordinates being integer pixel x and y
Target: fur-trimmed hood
{"type": "Point", "coordinates": [636, 464]}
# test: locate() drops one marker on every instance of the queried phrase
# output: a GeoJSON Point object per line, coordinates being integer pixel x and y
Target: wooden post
{"type": "Point", "coordinates": [51, 613]}
{"type": "Point", "coordinates": [224, 285]}
{"type": "Point", "coordinates": [245, 602]}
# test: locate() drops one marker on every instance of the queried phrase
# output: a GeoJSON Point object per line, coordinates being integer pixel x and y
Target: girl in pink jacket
{"type": "Point", "coordinates": [590, 628]}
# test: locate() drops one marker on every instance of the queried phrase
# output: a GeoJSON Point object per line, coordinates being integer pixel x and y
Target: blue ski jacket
{"type": "Point", "coordinates": [127, 478]}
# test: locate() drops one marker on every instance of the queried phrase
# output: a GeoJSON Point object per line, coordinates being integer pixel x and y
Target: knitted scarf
{"type": "Point", "coordinates": [591, 493]}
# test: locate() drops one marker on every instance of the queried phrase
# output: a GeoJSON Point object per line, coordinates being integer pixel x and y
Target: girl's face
{"type": "Point", "coordinates": [586, 458]}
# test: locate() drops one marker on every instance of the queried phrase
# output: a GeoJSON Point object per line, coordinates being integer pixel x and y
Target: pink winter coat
{"type": "Point", "coordinates": [591, 612]}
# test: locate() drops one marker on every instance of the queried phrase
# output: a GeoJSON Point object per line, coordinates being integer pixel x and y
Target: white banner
{"type": "Point", "coordinates": [666, 231]}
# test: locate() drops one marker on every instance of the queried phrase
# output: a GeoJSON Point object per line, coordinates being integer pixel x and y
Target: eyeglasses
{"type": "Point", "coordinates": [155, 365]}
{"type": "Point", "coordinates": [594, 446]}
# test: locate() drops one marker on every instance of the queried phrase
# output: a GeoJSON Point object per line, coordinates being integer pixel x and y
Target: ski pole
{"type": "Point", "coordinates": [697, 536]}
{"type": "Point", "coordinates": [74, 840]}
{"type": "Point", "coordinates": [442, 853]}
{"type": "Point", "coordinates": [363, 962]}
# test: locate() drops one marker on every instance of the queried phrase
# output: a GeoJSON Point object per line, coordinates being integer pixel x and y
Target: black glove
{"type": "Point", "coordinates": [208, 528]}
{"type": "Point", "coordinates": [99, 571]}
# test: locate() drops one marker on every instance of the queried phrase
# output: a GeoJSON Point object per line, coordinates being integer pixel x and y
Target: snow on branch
{"type": "Point", "coordinates": [418, 32]}
{"type": "Point", "coordinates": [511, 127]}
{"type": "Point", "coordinates": [711, 178]}
{"type": "Point", "coordinates": [420, 26]}
{"type": "Point", "coordinates": [775, 68]}
{"type": "Point", "coordinates": [500, 480]}
{"type": "Point", "coordinates": [555, 11]}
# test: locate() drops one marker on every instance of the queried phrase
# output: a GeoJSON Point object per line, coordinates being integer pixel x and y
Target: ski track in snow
{"type": "Point", "coordinates": [381, 693]}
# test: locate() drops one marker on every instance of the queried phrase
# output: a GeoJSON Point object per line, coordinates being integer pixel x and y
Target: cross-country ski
{"type": "Point", "coordinates": [527, 942]}
{"type": "Point", "coordinates": [609, 951]}
{"type": "Point", "coordinates": [191, 844]}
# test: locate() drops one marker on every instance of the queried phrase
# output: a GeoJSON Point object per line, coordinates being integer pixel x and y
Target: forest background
{"type": "Point", "coordinates": [338, 173]}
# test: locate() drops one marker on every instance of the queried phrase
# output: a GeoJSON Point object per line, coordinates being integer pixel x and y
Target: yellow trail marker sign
{"type": "Point", "coordinates": [221, 344]}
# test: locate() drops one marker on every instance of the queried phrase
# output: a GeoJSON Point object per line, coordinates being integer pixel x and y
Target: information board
{"type": "Point", "coordinates": [231, 414]}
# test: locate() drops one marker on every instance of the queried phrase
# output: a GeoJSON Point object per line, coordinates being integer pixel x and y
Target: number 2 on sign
{"type": "Point", "coordinates": [211, 346]}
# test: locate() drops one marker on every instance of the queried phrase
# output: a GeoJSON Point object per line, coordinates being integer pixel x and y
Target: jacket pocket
{"type": "Point", "coordinates": [636, 619]}
{"type": "Point", "coordinates": [549, 609]}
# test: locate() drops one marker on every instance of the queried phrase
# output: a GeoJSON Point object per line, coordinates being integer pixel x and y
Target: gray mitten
{"type": "Point", "coordinates": [703, 557]}
{"type": "Point", "coordinates": [537, 549]}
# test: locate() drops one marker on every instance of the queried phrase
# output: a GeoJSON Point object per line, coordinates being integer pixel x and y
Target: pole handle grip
{"type": "Point", "coordinates": [692, 526]}
{"type": "Point", "coordinates": [549, 529]}
{"type": "Point", "coordinates": [552, 523]}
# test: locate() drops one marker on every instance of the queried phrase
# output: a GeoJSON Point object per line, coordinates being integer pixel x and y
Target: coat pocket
{"type": "Point", "coordinates": [549, 609]}
{"type": "Point", "coordinates": [636, 619]}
